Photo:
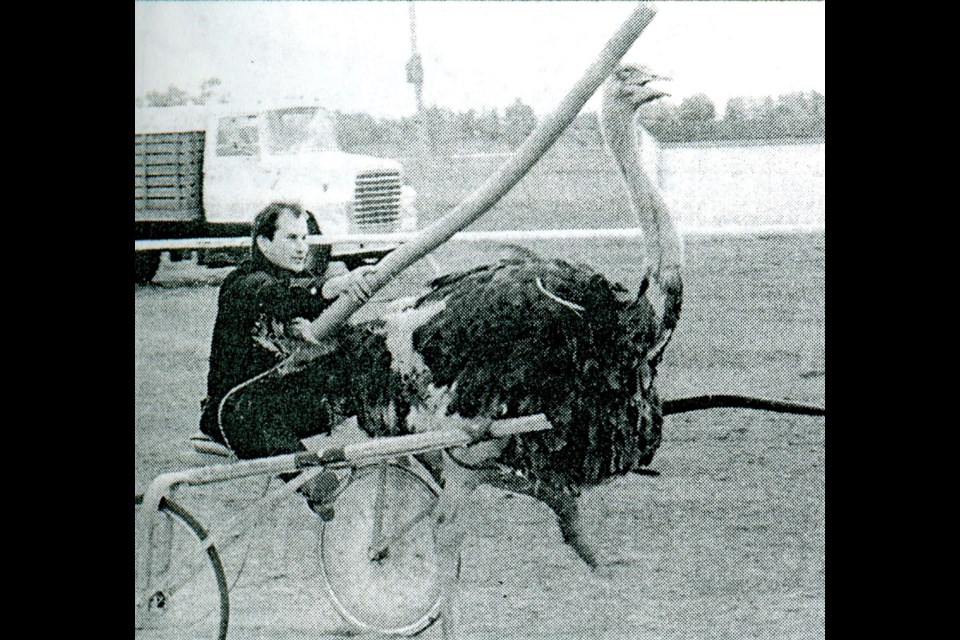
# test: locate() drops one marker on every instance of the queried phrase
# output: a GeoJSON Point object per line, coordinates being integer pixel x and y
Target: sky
{"type": "Point", "coordinates": [351, 56]}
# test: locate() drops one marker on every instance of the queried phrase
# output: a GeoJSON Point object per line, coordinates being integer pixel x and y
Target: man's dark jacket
{"type": "Point", "coordinates": [256, 299]}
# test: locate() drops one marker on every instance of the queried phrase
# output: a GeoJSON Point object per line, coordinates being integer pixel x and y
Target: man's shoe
{"type": "Point", "coordinates": [320, 491]}
{"type": "Point", "coordinates": [325, 512]}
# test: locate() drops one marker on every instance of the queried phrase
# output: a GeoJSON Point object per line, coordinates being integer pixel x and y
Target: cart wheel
{"type": "Point", "coordinates": [396, 591]}
{"type": "Point", "coordinates": [195, 604]}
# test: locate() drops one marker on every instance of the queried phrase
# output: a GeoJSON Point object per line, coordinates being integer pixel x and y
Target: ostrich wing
{"type": "Point", "coordinates": [512, 339]}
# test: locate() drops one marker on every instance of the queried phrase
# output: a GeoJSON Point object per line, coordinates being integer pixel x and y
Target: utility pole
{"type": "Point", "coordinates": [415, 77]}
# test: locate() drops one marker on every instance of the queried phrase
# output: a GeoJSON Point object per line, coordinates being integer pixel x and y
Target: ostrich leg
{"type": "Point", "coordinates": [449, 532]}
{"type": "Point", "coordinates": [563, 502]}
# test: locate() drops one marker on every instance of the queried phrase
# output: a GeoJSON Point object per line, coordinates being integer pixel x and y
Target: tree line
{"type": "Point", "coordinates": [798, 115]}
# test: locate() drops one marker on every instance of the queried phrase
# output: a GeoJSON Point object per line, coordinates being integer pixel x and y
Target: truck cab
{"type": "Point", "coordinates": [206, 171]}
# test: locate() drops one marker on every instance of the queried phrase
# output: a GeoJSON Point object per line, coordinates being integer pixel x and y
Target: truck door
{"type": "Point", "coordinates": [237, 184]}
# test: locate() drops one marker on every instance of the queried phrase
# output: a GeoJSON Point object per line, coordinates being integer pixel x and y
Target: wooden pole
{"type": "Point", "coordinates": [380, 448]}
{"type": "Point", "coordinates": [487, 195]}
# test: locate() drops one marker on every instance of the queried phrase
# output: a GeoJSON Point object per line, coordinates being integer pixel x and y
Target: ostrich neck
{"type": "Point", "coordinates": [662, 242]}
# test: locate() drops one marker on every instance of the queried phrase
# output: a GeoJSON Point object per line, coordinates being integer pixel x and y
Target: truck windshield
{"type": "Point", "coordinates": [299, 129]}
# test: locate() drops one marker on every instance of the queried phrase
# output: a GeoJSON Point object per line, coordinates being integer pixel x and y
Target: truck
{"type": "Point", "coordinates": [205, 171]}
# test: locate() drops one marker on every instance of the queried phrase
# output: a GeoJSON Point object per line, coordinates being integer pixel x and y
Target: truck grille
{"type": "Point", "coordinates": [376, 201]}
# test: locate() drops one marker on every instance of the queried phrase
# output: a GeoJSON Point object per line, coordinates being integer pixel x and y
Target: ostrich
{"type": "Point", "coordinates": [520, 337]}
{"type": "Point", "coordinates": [526, 336]}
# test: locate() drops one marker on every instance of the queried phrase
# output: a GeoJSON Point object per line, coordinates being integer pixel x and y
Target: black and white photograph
{"type": "Point", "coordinates": [479, 320]}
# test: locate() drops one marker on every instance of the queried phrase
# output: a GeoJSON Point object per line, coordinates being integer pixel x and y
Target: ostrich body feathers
{"type": "Point", "coordinates": [498, 347]}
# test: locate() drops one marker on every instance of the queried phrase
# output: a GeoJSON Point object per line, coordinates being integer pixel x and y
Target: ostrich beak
{"type": "Point", "coordinates": [647, 94]}
{"type": "Point", "coordinates": [640, 95]}
{"type": "Point", "coordinates": [636, 82]}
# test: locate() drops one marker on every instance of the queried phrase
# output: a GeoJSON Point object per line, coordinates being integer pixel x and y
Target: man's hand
{"type": "Point", "coordinates": [352, 283]}
{"type": "Point", "coordinates": [300, 328]}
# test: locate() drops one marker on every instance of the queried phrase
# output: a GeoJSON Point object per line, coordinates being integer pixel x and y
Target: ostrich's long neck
{"type": "Point", "coordinates": [662, 241]}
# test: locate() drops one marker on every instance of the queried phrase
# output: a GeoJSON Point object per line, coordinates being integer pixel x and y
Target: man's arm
{"type": "Point", "coordinates": [338, 281]}
{"type": "Point", "coordinates": [353, 283]}
{"type": "Point", "coordinates": [282, 301]}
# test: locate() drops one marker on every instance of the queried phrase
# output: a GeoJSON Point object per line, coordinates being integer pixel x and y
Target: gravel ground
{"type": "Point", "coordinates": [727, 542]}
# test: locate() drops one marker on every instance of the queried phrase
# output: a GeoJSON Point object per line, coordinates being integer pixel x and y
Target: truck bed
{"type": "Point", "coordinates": [168, 176]}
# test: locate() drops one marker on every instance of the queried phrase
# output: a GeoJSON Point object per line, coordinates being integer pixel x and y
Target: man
{"type": "Point", "coordinates": [271, 297]}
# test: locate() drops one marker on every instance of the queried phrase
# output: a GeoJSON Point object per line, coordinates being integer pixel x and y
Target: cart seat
{"type": "Point", "coordinates": [202, 443]}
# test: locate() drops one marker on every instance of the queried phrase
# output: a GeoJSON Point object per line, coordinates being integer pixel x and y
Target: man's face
{"type": "Point", "coordinates": [289, 248]}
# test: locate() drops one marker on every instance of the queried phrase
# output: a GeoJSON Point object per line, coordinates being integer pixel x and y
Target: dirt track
{"type": "Point", "coordinates": [727, 542]}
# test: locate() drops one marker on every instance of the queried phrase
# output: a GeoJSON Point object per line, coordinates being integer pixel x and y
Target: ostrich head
{"type": "Point", "coordinates": [628, 88]}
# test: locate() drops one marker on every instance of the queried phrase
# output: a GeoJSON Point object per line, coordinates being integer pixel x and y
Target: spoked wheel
{"type": "Point", "coordinates": [378, 556]}
{"type": "Point", "coordinates": [188, 598]}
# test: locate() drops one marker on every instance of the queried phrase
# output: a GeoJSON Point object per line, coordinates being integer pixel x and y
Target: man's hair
{"type": "Point", "coordinates": [265, 224]}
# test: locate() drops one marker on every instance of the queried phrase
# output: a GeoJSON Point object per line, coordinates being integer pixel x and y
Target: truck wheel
{"type": "Point", "coordinates": [145, 265]}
